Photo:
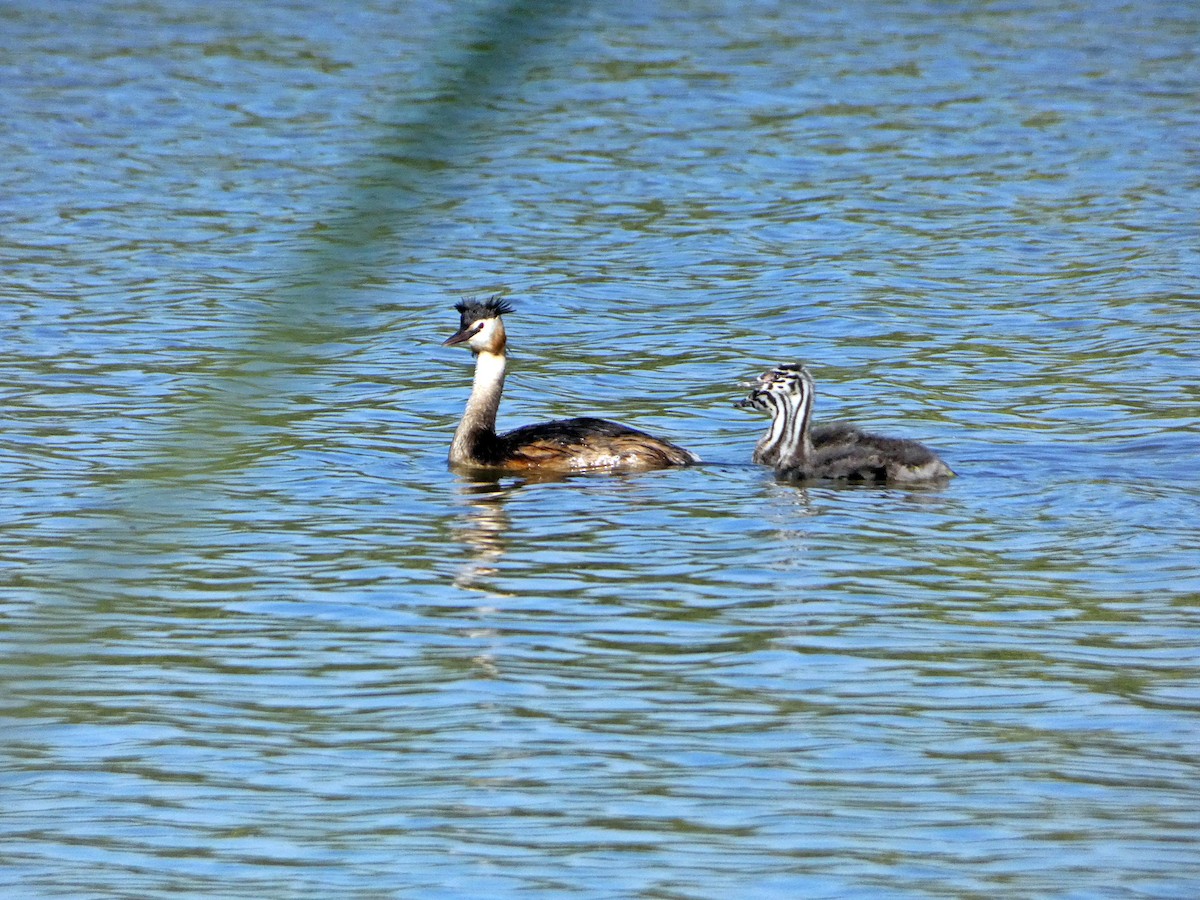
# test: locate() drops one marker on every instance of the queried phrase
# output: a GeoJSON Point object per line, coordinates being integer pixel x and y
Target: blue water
{"type": "Point", "coordinates": [257, 641]}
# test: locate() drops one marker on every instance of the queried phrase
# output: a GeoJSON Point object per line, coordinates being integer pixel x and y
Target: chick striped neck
{"type": "Point", "coordinates": [766, 451]}
{"type": "Point", "coordinates": [792, 415]}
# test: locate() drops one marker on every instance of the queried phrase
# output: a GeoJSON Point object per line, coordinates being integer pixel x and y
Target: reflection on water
{"type": "Point", "coordinates": [482, 529]}
{"type": "Point", "coordinates": [255, 639]}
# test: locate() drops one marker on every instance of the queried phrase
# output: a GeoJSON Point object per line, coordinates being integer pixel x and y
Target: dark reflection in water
{"type": "Point", "coordinates": [482, 528]}
{"type": "Point", "coordinates": [256, 640]}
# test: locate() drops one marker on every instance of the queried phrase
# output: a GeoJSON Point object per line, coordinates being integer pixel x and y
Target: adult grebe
{"type": "Point", "coordinates": [835, 451]}
{"type": "Point", "coordinates": [566, 445]}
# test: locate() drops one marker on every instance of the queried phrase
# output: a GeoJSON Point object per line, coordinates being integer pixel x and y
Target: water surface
{"type": "Point", "coordinates": [258, 641]}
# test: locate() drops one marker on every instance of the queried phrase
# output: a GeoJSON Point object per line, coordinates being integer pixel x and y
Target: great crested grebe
{"type": "Point", "coordinates": [836, 451]}
{"type": "Point", "coordinates": [565, 445]}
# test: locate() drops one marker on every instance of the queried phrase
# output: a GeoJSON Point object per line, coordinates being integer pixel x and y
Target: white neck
{"type": "Point", "coordinates": [482, 405]}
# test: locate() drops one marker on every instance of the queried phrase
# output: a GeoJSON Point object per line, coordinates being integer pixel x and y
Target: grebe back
{"type": "Point", "coordinates": [564, 445]}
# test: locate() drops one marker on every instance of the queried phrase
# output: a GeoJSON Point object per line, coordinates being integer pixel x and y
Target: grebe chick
{"type": "Point", "coordinates": [565, 445]}
{"type": "Point", "coordinates": [837, 451]}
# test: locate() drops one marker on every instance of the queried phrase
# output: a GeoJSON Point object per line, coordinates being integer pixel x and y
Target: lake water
{"type": "Point", "coordinates": [257, 641]}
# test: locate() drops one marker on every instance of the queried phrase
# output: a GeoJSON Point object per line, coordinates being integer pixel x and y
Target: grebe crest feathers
{"type": "Point", "coordinates": [473, 310]}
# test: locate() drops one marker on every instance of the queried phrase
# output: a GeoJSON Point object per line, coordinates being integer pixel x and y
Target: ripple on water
{"type": "Point", "coordinates": [257, 639]}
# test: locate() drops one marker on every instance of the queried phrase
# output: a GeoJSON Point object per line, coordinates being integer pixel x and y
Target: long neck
{"type": "Point", "coordinates": [795, 412]}
{"type": "Point", "coordinates": [766, 451]}
{"type": "Point", "coordinates": [479, 418]}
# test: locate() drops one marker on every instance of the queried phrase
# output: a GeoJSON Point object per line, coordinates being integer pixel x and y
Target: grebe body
{"type": "Point", "coordinates": [565, 445]}
{"type": "Point", "coordinates": [800, 452]}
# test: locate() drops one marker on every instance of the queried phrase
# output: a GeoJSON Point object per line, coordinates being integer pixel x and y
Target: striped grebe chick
{"type": "Point", "coordinates": [565, 445]}
{"type": "Point", "coordinates": [800, 452]}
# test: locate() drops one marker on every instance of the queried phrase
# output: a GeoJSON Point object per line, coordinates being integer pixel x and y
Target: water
{"type": "Point", "coordinates": [258, 641]}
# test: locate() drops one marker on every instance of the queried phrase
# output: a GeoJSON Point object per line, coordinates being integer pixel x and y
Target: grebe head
{"type": "Point", "coordinates": [481, 327]}
{"type": "Point", "coordinates": [783, 382]}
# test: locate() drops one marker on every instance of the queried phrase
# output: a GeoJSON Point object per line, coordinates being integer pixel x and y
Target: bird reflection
{"type": "Point", "coordinates": [482, 528]}
{"type": "Point", "coordinates": [484, 525]}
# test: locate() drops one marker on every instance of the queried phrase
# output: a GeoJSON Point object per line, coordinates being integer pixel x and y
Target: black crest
{"type": "Point", "coordinates": [473, 310]}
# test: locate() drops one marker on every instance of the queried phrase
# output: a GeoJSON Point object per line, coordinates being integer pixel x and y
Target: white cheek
{"type": "Point", "coordinates": [481, 337]}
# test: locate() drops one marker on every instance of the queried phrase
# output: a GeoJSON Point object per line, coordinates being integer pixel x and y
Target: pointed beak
{"type": "Point", "coordinates": [747, 402]}
{"type": "Point", "coordinates": [458, 338]}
